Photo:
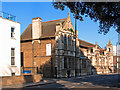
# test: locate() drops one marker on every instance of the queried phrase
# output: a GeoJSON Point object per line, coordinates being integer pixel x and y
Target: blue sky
{"type": "Point", "coordinates": [87, 29]}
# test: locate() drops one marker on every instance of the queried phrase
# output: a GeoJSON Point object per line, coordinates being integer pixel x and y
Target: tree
{"type": "Point", "coordinates": [107, 13]}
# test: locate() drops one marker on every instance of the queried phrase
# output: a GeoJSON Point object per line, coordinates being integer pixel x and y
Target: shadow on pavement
{"type": "Point", "coordinates": [50, 86]}
{"type": "Point", "coordinates": [112, 80]}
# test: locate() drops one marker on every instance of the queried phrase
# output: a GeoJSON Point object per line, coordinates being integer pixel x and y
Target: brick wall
{"type": "Point", "coordinates": [14, 80]}
{"type": "Point", "coordinates": [42, 61]}
{"type": "Point", "coordinates": [26, 48]}
{"type": "Point", "coordinates": [35, 55]}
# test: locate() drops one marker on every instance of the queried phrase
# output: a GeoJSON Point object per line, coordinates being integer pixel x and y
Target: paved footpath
{"type": "Point", "coordinates": [30, 84]}
{"type": "Point", "coordinates": [109, 81]}
{"type": "Point", "coordinates": [43, 82]}
{"type": "Point", "coordinates": [91, 81]}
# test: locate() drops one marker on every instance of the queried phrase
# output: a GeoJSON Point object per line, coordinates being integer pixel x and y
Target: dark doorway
{"type": "Point", "coordinates": [21, 59]}
{"type": "Point", "coordinates": [56, 72]}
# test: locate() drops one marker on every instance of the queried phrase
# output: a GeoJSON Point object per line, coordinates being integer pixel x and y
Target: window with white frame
{"type": "Point", "coordinates": [12, 32]}
{"type": "Point", "coordinates": [48, 49]}
{"type": "Point", "coordinates": [12, 56]}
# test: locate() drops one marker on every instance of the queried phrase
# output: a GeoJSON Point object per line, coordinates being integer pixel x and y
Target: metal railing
{"type": "Point", "coordinates": [7, 16]}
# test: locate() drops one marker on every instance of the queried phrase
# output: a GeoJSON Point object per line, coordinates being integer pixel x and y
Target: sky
{"type": "Point", "coordinates": [87, 29]}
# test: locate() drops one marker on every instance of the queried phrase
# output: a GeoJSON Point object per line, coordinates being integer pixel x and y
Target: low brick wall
{"type": "Point", "coordinates": [13, 80]}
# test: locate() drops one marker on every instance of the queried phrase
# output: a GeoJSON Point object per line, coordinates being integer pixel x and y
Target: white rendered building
{"type": "Point", "coordinates": [9, 46]}
{"type": "Point", "coordinates": [117, 54]}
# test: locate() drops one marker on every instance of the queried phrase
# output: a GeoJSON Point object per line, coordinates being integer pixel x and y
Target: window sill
{"type": "Point", "coordinates": [13, 38]}
{"type": "Point", "coordinates": [13, 66]}
{"type": "Point", "coordinates": [48, 55]}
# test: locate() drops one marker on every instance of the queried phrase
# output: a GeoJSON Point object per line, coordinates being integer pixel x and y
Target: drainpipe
{"type": "Point", "coordinates": [51, 58]}
{"type": "Point", "coordinates": [33, 56]}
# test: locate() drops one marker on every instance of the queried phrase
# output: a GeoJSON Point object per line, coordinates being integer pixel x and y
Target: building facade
{"type": "Point", "coordinates": [116, 57]}
{"type": "Point", "coordinates": [10, 46]}
{"type": "Point", "coordinates": [50, 48]}
{"type": "Point", "coordinates": [102, 58]}
{"type": "Point", "coordinates": [86, 66]}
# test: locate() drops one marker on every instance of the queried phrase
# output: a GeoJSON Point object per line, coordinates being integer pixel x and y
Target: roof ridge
{"type": "Point", "coordinates": [54, 20]}
{"type": "Point", "coordinates": [86, 41]}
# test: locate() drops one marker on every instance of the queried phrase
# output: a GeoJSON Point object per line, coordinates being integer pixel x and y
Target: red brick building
{"type": "Point", "coordinates": [49, 47]}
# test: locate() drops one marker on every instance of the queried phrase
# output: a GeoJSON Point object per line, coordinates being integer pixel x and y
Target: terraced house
{"type": "Point", "coordinates": [10, 46]}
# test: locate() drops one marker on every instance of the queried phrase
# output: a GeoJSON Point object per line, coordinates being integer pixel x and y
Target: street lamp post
{"type": "Point", "coordinates": [75, 45]}
{"type": "Point", "coordinates": [116, 57]}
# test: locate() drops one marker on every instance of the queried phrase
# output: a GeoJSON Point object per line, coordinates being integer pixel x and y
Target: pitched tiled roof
{"type": "Point", "coordinates": [27, 34]}
{"type": "Point", "coordinates": [85, 44]}
{"type": "Point", "coordinates": [48, 29]}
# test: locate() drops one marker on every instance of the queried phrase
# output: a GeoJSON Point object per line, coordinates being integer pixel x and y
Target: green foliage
{"type": "Point", "coordinates": [71, 30]}
{"type": "Point", "coordinates": [107, 13]}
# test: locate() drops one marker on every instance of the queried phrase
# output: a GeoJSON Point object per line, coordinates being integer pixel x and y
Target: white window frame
{"type": "Point", "coordinates": [48, 49]}
{"type": "Point", "coordinates": [13, 56]}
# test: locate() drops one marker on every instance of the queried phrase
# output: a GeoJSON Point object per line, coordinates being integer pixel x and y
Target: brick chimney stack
{"type": "Point", "coordinates": [36, 28]}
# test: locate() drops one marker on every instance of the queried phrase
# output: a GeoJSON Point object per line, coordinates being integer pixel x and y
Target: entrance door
{"type": "Point", "coordinates": [21, 59]}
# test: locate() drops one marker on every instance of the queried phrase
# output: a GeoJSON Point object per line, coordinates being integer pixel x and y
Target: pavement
{"type": "Point", "coordinates": [42, 82]}
{"type": "Point", "coordinates": [46, 81]}
{"type": "Point", "coordinates": [30, 84]}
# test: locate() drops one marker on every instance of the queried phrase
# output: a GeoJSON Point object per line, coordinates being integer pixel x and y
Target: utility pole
{"type": "Point", "coordinates": [116, 56]}
{"type": "Point", "coordinates": [75, 45]}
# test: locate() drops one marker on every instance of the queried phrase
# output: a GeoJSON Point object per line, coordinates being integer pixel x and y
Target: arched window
{"type": "Point", "coordinates": [72, 41]}
{"type": "Point", "coordinates": [69, 40]}
{"type": "Point", "coordinates": [65, 62]}
{"type": "Point", "coordinates": [62, 38]}
{"type": "Point", "coordinates": [65, 41]}
{"type": "Point", "coordinates": [109, 49]}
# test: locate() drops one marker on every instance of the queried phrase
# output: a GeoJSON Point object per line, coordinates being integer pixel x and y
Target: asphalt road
{"type": "Point", "coordinates": [97, 81]}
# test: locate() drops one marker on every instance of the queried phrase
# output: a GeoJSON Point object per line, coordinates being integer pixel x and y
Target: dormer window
{"type": "Point", "coordinates": [12, 32]}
